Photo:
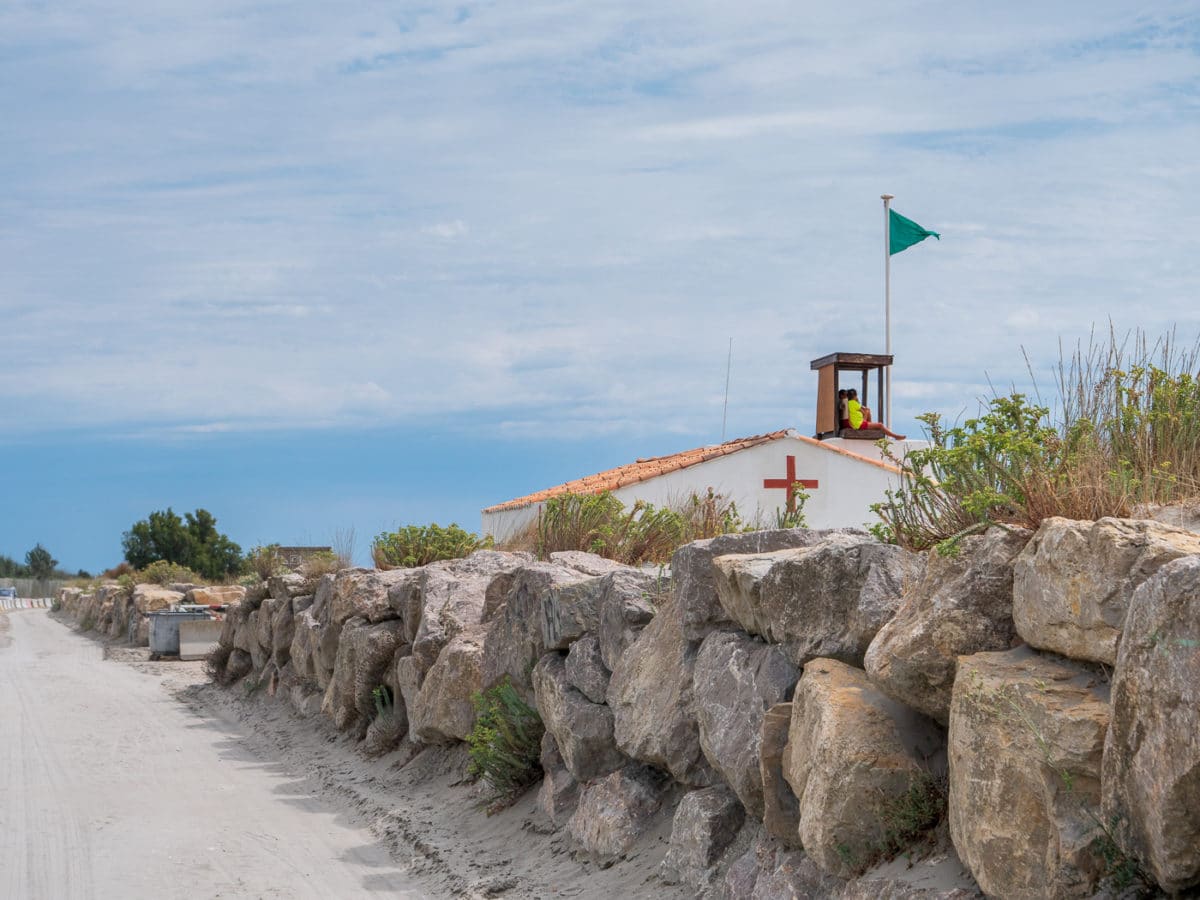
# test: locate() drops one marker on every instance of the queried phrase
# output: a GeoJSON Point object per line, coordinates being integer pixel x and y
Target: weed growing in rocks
{"type": "Point", "coordinates": [505, 744]}
{"type": "Point", "coordinates": [600, 524]}
{"type": "Point", "coordinates": [913, 814]}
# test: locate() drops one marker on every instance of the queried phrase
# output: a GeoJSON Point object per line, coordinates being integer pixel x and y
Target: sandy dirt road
{"type": "Point", "coordinates": [112, 788]}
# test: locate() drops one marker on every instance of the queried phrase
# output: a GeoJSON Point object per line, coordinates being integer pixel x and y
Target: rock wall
{"type": "Point", "coordinates": [798, 707]}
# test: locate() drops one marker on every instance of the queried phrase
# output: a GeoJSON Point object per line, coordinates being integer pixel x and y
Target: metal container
{"type": "Point", "coordinates": [164, 629]}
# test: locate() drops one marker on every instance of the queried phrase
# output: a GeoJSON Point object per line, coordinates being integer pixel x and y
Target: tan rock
{"type": "Point", "coordinates": [1073, 582]}
{"type": "Point", "coordinates": [853, 754]}
{"type": "Point", "coordinates": [218, 595]}
{"type": "Point", "coordinates": [1025, 744]}
{"type": "Point", "coordinates": [152, 598]}
{"type": "Point", "coordinates": [1151, 772]}
{"type": "Point", "coordinates": [615, 811]}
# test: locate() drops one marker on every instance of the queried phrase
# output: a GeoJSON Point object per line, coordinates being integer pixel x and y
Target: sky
{"type": "Point", "coordinates": [317, 267]}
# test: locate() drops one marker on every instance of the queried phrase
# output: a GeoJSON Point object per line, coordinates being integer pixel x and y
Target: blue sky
{"type": "Point", "coordinates": [314, 268]}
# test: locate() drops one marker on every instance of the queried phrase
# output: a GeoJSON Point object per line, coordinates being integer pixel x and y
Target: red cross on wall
{"type": "Point", "coordinates": [789, 483]}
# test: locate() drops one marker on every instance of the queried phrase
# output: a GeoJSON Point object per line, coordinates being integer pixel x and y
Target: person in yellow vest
{"type": "Point", "coordinates": [860, 417]}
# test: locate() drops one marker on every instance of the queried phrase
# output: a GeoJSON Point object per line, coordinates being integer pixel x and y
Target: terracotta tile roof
{"type": "Point", "coordinates": [639, 471]}
{"type": "Point", "coordinates": [645, 469]}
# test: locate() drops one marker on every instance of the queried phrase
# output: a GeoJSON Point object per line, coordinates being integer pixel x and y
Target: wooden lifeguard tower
{"type": "Point", "coordinates": [829, 369]}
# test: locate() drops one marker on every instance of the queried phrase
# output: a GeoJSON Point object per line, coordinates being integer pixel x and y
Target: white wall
{"type": "Point", "coordinates": [847, 486]}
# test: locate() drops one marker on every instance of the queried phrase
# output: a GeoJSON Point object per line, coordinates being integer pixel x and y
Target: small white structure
{"type": "Point", "coordinates": [842, 478]}
{"type": "Point", "coordinates": [842, 474]}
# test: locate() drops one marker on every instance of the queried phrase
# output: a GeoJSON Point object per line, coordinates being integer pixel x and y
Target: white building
{"type": "Point", "coordinates": [842, 474]}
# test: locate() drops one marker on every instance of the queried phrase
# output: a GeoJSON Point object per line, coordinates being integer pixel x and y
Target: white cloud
{"type": "Point", "coordinates": [230, 215]}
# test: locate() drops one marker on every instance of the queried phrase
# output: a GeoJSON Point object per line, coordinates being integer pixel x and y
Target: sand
{"type": "Point", "coordinates": [121, 777]}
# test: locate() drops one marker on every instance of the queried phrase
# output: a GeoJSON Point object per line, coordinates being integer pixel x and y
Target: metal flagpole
{"type": "Point", "coordinates": [728, 368]}
{"type": "Point", "coordinates": [887, 302]}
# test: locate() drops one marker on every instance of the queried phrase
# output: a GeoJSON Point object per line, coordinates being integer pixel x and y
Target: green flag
{"type": "Point", "coordinates": [903, 233]}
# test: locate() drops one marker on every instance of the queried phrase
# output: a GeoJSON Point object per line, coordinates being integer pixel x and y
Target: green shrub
{"type": "Point", "coordinates": [794, 517]}
{"type": "Point", "coordinates": [1128, 433]}
{"type": "Point", "coordinates": [385, 706]}
{"type": "Point", "coordinates": [505, 744]}
{"type": "Point", "coordinates": [264, 561]}
{"type": "Point", "coordinates": [600, 524]}
{"type": "Point", "coordinates": [419, 545]}
{"type": "Point", "coordinates": [164, 573]}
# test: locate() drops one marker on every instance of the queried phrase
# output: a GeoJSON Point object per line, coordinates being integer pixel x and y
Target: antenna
{"type": "Point", "coordinates": [728, 367]}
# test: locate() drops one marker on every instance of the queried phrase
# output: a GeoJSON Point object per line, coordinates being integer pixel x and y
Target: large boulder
{"type": "Point", "coordinates": [364, 656]}
{"type": "Point", "coordinates": [363, 593]}
{"type": "Point", "coordinates": [1074, 580]}
{"type": "Point", "coordinates": [264, 629]}
{"type": "Point", "coordinates": [443, 710]}
{"type": "Point", "coordinates": [150, 598]}
{"type": "Point", "coordinates": [514, 641]}
{"type": "Point", "coordinates": [853, 756]}
{"type": "Point", "coordinates": [451, 598]}
{"type": "Point", "coordinates": [963, 605]}
{"type": "Point", "coordinates": [573, 610]}
{"type": "Point", "coordinates": [770, 870]}
{"type": "Point", "coordinates": [828, 600]}
{"type": "Point", "coordinates": [586, 670]}
{"type": "Point", "coordinates": [692, 572]}
{"type": "Point", "coordinates": [736, 680]}
{"type": "Point", "coordinates": [305, 647]}
{"type": "Point", "coordinates": [1151, 770]}
{"type": "Point", "coordinates": [781, 809]}
{"type": "Point", "coordinates": [650, 694]}
{"type": "Point", "coordinates": [583, 731]}
{"type": "Point", "coordinates": [614, 811]}
{"type": "Point", "coordinates": [706, 822]}
{"type": "Point", "coordinates": [217, 595]}
{"type": "Point", "coordinates": [283, 628]}
{"type": "Point", "coordinates": [286, 585]}
{"type": "Point", "coordinates": [626, 607]}
{"type": "Point", "coordinates": [1026, 738]}
{"type": "Point", "coordinates": [587, 563]}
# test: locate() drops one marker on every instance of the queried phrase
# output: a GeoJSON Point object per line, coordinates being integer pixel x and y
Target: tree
{"type": "Point", "coordinates": [194, 543]}
{"type": "Point", "coordinates": [40, 563]}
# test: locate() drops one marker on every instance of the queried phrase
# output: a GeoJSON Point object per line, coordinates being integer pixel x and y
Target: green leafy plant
{"type": "Point", "coordinates": [385, 706]}
{"type": "Point", "coordinates": [908, 817]}
{"type": "Point", "coordinates": [793, 516]}
{"type": "Point", "coordinates": [419, 545]}
{"type": "Point", "coordinates": [1127, 432]}
{"type": "Point", "coordinates": [505, 743]}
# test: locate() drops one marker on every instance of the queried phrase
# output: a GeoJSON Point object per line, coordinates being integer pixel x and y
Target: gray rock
{"type": "Point", "coordinates": [614, 811]}
{"type": "Point", "coordinates": [650, 694]}
{"type": "Point", "coordinates": [365, 653]}
{"type": "Point", "coordinates": [963, 605]}
{"type": "Point", "coordinates": [828, 600]}
{"type": "Point", "coordinates": [1151, 769]}
{"type": "Point", "coordinates": [706, 822]}
{"type": "Point", "coordinates": [625, 609]}
{"type": "Point", "coordinates": [586, 670]}
{"type": "Point", "coordinates": [443, 710]}
{"type": "Point", "coordinates": [736, 680]}
{"type": "Point", "coordinates": [286, 586]}
{"type": "Point", "coordinates": [514, 640]}
{"type": "Point", "coordinates": [452, 598]}
{"type": "Point", "coordinates": [692, 572]}
{"type": "Point", "coordinates": [559, 794]}
{"type": "Point", "coordinates": [1074, 580]}
{"type": "Point", "coordinates": [305, 647]}
{"type": "Point", "coordinates": [408, 674]}
{"type": "Point", "coordinates": [266, 622]}
{"type": "Point", "coordinates": [781, 809]}
{"type": "Point", "coordinates": [853, 754]}
{"type": "Point", "coordinates": [583, 731]}
{"type": "Point", "coordinates": [771, 871]}
{"type": "Point", "coordinates": [283, 632]}
{"type": "Point", "coordinates": [570, 611]}
{"type": "Point", "coordinates": [1026, 737]}
{"type": "Point", "coordinates": [587, 563]}
{"type": "Point", "coordinates": [238, 666]}
{"type": "Point", "coordinates": [363, 593]}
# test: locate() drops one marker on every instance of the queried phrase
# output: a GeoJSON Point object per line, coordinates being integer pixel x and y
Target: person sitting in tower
{"type": "Point", "coordinates": [860, 417]}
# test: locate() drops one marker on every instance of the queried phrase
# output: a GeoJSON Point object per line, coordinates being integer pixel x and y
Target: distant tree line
{"type": "Point", "coordinates": [192, 541]}
{"type": "Point", "coordinates": [39, 565]}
